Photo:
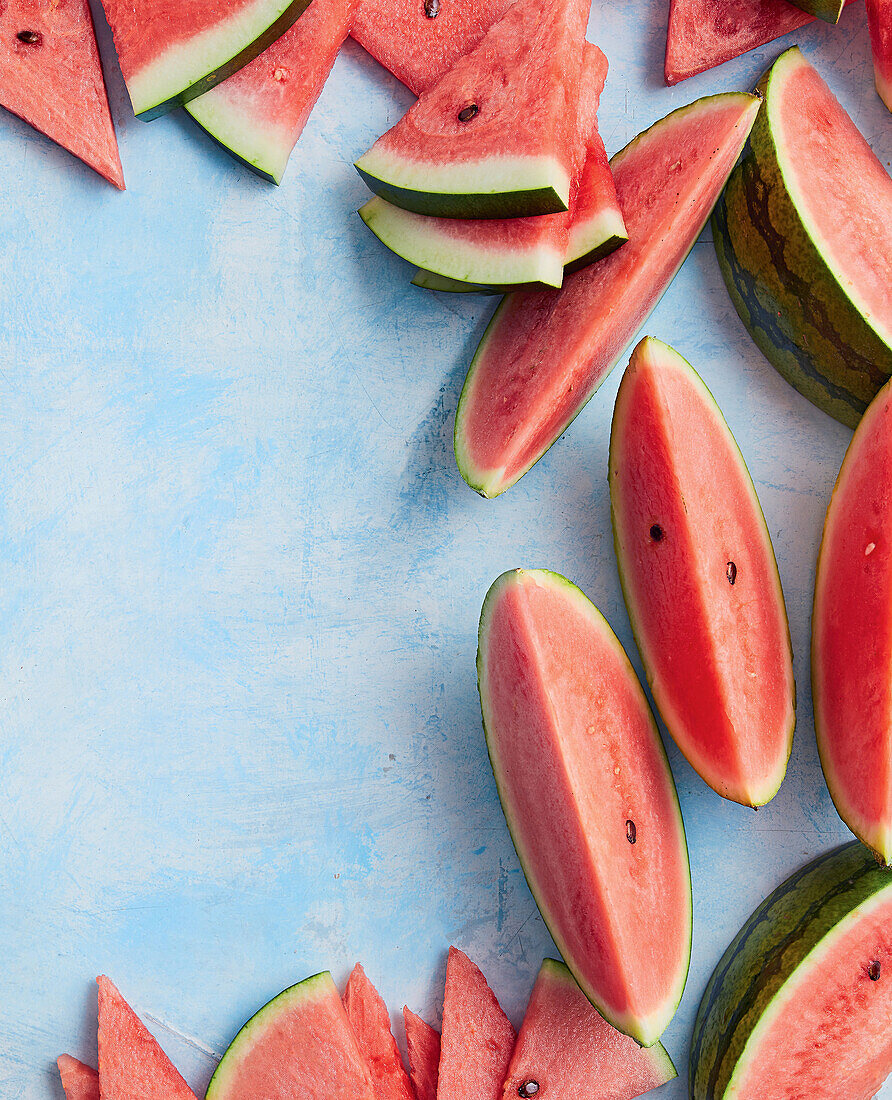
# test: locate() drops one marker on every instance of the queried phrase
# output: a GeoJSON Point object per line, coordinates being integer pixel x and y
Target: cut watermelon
{"type": "Point", "coordinates": [132, 1066]}
{"type": "Point", "coordinates": [477, 1035]}
{"type": "Point", "coordinates": [258, 114]}
{"type": "Point", "coordinates": [544, 354]}
{"type": "Point", "coordinates": [80, 1082]}
{"type": "Point", "coordinates": [494, 137]}
{"type": "Point", "coordinates": [301, 1044]}
{"type": "Point", "coordinates": [166, 64]}
{"type": "Point", "coordinates": [588, 797]}
{"type": "Point", "coordinates": [879, 19]}
{"type": "Point", "coordinates": [597, 227]}
{"type": "Point", "coordinates": [50, 76]}
{"type": "Point", "coordinates": [700, 579]}
{"type": "Point", "coordinates": [423, 1043]}
{"type": "Point", "coordinates": [370, 1020]}
{"type": "Point", "coordinates": [567, 1049]}
{"type": "Point", "coordinates": [828, 10]}
{"type": "Point", "coordinates": [801, 1003]}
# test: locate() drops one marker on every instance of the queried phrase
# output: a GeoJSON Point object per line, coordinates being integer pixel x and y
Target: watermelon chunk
{"type": "Point", "coordinates": [494, 137]}
{"type": "Point", "coordinates": [79, 1081]}
{"type": "Point", "coordinates": [50, 76]}
{"type": "Point", "coordinates": [565, 1048]}
{"type": "Point", "coordinates": [477, 1038]}
{"type": "Point", "coordinates": [132, 1066]}
{"type": "Point", "coordinates": [597, 227]}
{"type": "Point", "coordinates": [879, 19]}
{"type": "Point", "coordinates": [370, 1020]}
{"type": "Point", "coordinates": [423, 1042]}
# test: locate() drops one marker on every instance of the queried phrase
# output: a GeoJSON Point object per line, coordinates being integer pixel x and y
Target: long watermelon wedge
{"type": "Point", "coordinates": [588, 796]}
{"type": "Point", "coordinates": [370, 1021]}
{"type": "Point", "coordinates": [51, 77]}
{"type": "Point", "coordinates": [565, 1048]}
{"type": "Point", "coordinates": [879, 19]}
{"type": "Point", "coordinates": [423, 1044]}
{"type": "Point", "coordinates": [544, 354]}
{"type": "Point", "coordinates": [801, 1002]}
{"type": "Point", "coordinates": [495, 136]}
{"type": "Point", "coordinates": [700, 579]}
{"type": "Point", "coordinates": [169, 56]}
{"type": "Point", "coordinates": [79, 1081]}
{"type": "Point", "coordinates": [803, 234]}
{"type": "Point", "coordinates": [258, 114]}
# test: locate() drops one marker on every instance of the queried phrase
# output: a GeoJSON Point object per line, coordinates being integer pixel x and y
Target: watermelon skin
{"type": "Point", "coordinates": [791, 1010]}
{"type": "Point", "coordinates": [879, 19]}
{"type": "Point", "coordinates": [568, 1049]}
{"type": "Point", "coordinates": [588, 797]}
{"type": "Point", "coordinates": [370, 1021]}
{"type": "Point", "coordinates": [423, 1042]}
{"type": "Point", "coordinates": [828, 10]}
{"type": "Point", "coordinates": [80, 1082]}
{"type": "Point", "coordinates": [431, 280]}
{"type": "Point", "coordinates": [56, 85]}
{"type": "Point", "coordinates": [810, 271]}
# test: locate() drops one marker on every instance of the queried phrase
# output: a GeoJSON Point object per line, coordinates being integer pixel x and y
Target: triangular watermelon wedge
{"type": "Point", "coordinates": [79, 1081]}
{"type": "Point", "coordinates": [370, 1020]}
{"type": "Point", "coordinates": [423, 1042]}
{"type": "Point", "coordinates": [132, 1066]}
{"type": "Point", "coordinates": [495, 136]}
{"type": "Point", "coordinates": [51, 77]}
{"type": "Point", "coordinates": [879, 19]}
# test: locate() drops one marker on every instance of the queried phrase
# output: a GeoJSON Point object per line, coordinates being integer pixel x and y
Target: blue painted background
{"type": "Point", "coordinates": [241, 579]}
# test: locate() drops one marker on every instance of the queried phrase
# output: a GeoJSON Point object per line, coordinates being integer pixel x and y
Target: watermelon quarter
{"type": "Point", "coordinates": [423, 1044]}
{"type": "Point", "coordinates": [79, 1082]}
{"type": "Point", "coordinates": [879, 19]}
{"type": "Point", "coordinates": [370, 1021]}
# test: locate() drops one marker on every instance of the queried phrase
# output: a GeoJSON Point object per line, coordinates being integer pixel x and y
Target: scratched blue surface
{"type": "Point", "coordinates": [241, 579]}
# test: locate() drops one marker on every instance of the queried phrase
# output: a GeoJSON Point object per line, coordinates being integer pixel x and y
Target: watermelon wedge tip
{"type": "Point", "coordinates": [79, 1081]}
{"type": "Point", "coordinates": [423, 1043]}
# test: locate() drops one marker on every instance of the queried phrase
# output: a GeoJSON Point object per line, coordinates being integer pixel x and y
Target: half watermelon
{"type": "Point", "coordinates": [370, 1021]}
{"type": "Point", "coordinates": [423, 1044]}
{"type": "Point", "coordinates": [879, 19]}
{"type": "Point", "coordinates": [80, 1082]}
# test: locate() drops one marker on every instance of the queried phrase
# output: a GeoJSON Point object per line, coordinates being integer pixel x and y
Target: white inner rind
{"type": "Point", "coordinates": [239, 129]}
{"type": "Point", "coordinates": [587, 235]}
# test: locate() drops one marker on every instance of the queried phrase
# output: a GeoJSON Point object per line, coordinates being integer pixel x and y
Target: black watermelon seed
{"type": "Point", "coordinates": [467, 113]}
{"type": "Point", "coordinates": [631, 832]}
{"type": "Point", "coordinates": [873, 971]}
{"type": "Point", "coordinates": [731, 572]}
{"type": "Point", "coordinates": [656, 533]}
{"type": "Point", "coordinates": [30, 38]}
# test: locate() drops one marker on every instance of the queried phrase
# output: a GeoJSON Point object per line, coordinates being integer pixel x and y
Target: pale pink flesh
{"type": "Point", "coordinates": [370, 1021]}
{"type": "Point", "coordinates": [79, 1081]}
{"type": "Point", "coordinates": [879, 19]}
{"type": "Point", "coordinates": [423, 1043]}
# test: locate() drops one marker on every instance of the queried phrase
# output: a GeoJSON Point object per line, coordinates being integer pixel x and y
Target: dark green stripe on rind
{"type": "Point", "coordinates": [779, 935]}
{"type": "Point", "coordinates": [221, 144]}
{"type": "Point", "coordinates": [611, 244]}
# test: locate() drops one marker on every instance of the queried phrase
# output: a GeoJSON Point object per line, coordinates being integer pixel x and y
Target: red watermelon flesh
{"type": "Point", "coordinates": [477, 1038]}
{"type": "Point", "coordinates": [423, 1042]}
{"type": "Point", "coordinates": [370, 1019]}
{"type": "Point", "coordinates": [80, 1082]}
{"type": "Point", "coordinates": [566, 1048]}
{"type": "Point", "coordinates": [54, 81]}
{"type": "Point", "coordinates": [879, 18]}
{"type": "Point", "coordinates": [132, 1066]}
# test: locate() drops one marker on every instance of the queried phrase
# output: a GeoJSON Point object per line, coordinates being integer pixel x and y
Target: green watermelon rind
{"type": "Point", "coordinates": [242, 137]}
{"type": "Point", "coordinates": [772, 952]}
{"type": "Point", "coordinates": [781, 284]}
{"type": "Point", "coordinates": [430, 280]}
{"type": "Point", "coordinates": [828, 10]}
{"type": "Point", "coordinates": [645, 1032]}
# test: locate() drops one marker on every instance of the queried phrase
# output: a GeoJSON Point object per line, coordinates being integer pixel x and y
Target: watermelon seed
{"type": "Point", "coordinates": [656, 533]}
{"type": "Point", "coordinates": [528, 1088]}
{"type": "Point", "coordinates": [873, 971]}
{"type": "Point", "coordinates": [432, 8]}
{"type": "Point", "coordinates": [631, 832]}
{"type": "Point", "coordinates": [30, 38]}
{"type": "Point", "coordinates": [731, 572]}
{"type": "Point", "coordinates": [467, 113]}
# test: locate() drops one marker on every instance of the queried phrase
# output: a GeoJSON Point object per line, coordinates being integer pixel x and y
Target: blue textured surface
{"type": "Point", "coordinates": [241, 738]}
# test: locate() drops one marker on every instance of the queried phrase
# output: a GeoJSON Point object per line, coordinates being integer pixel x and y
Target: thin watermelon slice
{"type": "Point", "coordinates": [828, 10]}
{"type": "Point", "coordinates": [50, 76]}
{"type": "Point", "coordinates": [597, 227]}
{"type": "Point", "coordinates": [132, 1066]}
{"type": "Point", "coordinates": [80, 1082]}
{"type": "Point", "coordinates": [301, 1044]}
{"type": "Point", "coordinates": [494, 137]}
{"type": "Point", "coordinates": [170, 55]}
{"type": "Point", "coordinates": [370, 1020]}
{"type": "Point", "coordinates": [477, 1036]}
{"type": "Point", "coordinates": [700, 578]}
{"type": "Point", "coordinates": [588, 797]}
{"type": "Point", "coordinates": [879, 19]}
{"type": "Point", "coordinates": [565, 1048]}
{"type": "Point", "coordinates": [423, 1042]}
{"type": "Point", "coordinates": [258, 114]}
{"type": "Point", "coordinates": [544, 354]}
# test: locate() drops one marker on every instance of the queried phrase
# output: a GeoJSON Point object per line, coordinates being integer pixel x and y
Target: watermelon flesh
{"type": "Point", "coordinates": [423, 1043]}
{"type": "Point", "coordinates": [588, 797]}
{"type": "Point", "coordinates": [544, 354]}
{"type": "Point", "coordinates": [477, 1038]}
{"type": "Point", "coordinates": [79, 1081]}
{"type": "Point", "coordinates": [879, 19]}
{"type": "Point", "coordinates": [370, 1020]}
{"type": "Point", "coordinates": [55, 82]}
{"type": "Point", "coordinates": [259, 113]}
{"type": "Point", "coordinates": [565, 1048]}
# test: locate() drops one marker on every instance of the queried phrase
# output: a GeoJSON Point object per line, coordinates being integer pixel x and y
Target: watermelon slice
{"type": "Point", "coordinates": [423, 1042]}
{"type": "Point", "coordinates": [700, 579]}
{"type": "Point", "coordinates": [879, 19]}
{"type": "Point", "coordinates": [370, 1020]}
{"type": "Point", "coordinates": [494, 137]}
{"type": "Point", "coordinates": [165, 65]}
{"type": "Point", "coordinates": [588, 797]}
{"type": "Point", "coordinates": [477, 1036]}
{"type": "Point", "coordinates": [544, 354]}
{"type": "Point", "coordinates": [597, 227]}
{"type": "Point", "coordinates": [567, 1049]}
{"type": "Point", "coordinates": [258, 114]}
{"type": "Point", "coordinates": [80, 1082]}
{"type": "Point", "coordinates": [132, 1066]}
{"type": "Point", "coordinates": [800, 1004]}
{"type": "Point", "coordinates": [51, 78]}
{"type": "Point", "coordinates": [301, 1044]}
{"type": "Point", "coordinates": [828, 10]}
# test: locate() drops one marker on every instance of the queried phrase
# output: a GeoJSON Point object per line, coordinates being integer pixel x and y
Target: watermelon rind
{"type": "Point", "coordinates": [430, 280]}
{"type": "Point", "coordinates": [257, 148]}
{"type": "Point", "coordinates": [801, 311]}
{"type": "Point", "coordinates": [594, 238]}
{"type": "Point", "coordinates": [828, 10]}
{"type": "Point", "coordinates": [789, 932]}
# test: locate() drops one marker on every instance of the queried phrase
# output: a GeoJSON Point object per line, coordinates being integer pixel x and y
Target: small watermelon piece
{"type": "Point", "coordinates": [494, 137]}
{"type": "Point", "coordinates": [259, 113]}
{"type": "Point", "coordinates": [170, 55]}
{"type": "Point", "coordinates": [879, 19]}
{"type": "Point", "coordinates": [132, 1066]}
{"type": "Point", "coordinates": [423, 1042]}
{"type": "Point", "coordinates": [597, 227]}
{"type": "Point", "coordinates": [700, 578]}
{"type": "Point", "coordinates": [301, 1044]}
{"type": "Point", "coordinates": [828, 10]}
{"type": "Point", "coordinates": [565, 1048]}
{"type": "Point", "coordinates": [50, 76]}
{"type": "Point", "coordinates": [80, 1082]}
{"type": "Point", "coordinates": [370, 1020]}
{"type": "Point", "coordinates": [800, 1004]}
{"type": "Point", "coordinates": [477, 1038]}
{"type": "Point", "coordinates": [588, 796]}
{"type": "Point", "coordinates": [544, 354]}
